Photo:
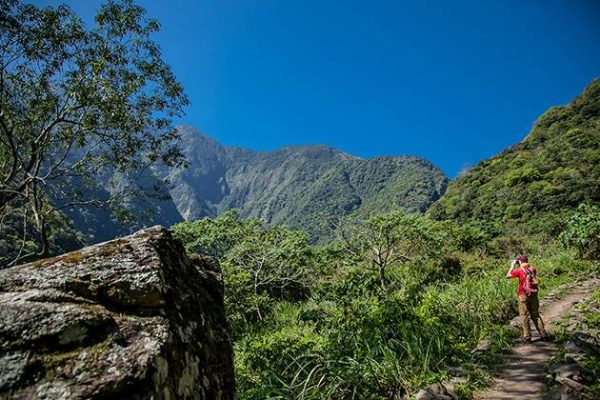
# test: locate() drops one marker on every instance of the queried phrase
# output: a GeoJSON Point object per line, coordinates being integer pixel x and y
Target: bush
{"type": "Point", "coordinates": [583, 231]}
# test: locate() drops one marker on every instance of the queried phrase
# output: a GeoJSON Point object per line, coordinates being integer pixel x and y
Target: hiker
{"type": "Point", "coordinates": [528, 299]}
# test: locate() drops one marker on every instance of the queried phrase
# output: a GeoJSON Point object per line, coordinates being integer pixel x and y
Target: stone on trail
{"type": "Point", "coordinates": [130, 318]}
{"type": "Point", "coordinates": [436, 391]}
{"type": "Point", "coordinates": [567, 370]}
{"type": "Point", "coordinates": [482, 347]}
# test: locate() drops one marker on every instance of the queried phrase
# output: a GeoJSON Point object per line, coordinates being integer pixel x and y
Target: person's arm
{"type": "Point", "coordinates": [513, 263]}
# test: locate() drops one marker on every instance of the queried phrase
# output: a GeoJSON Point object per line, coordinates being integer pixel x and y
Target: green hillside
{"type": "Point", "coordinates": [555, 168]}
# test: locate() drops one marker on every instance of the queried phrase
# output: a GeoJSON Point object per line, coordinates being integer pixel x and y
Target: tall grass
{"type": "Point", "coordinates": [376, 345]}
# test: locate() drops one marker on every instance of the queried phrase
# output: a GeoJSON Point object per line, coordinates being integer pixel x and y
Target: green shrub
{"type": "Point", "coordinates": [583, 231]}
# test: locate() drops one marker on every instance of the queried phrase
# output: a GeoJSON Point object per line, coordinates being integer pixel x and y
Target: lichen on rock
{"type": "Point", "coordinates": [131, 318]}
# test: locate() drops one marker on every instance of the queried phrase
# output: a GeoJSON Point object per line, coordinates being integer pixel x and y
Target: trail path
{"type": "Point", "coordinates": [522, 375]}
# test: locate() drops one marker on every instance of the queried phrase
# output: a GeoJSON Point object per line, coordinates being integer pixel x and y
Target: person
{"type": "Point", "coordinates": [528, 304]}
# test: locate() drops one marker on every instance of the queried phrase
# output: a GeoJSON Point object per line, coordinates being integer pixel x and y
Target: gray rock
{"type": "Point", "coordinates": [436, 391]}
{"type": "Point", "coordinates": [130, 318]}
{"type": "Point", "coordinates": [567, 370]}
{"type": "Point", "coordinates": [578, 387]}
{"type": "Point", "coordinates": [564, 392]}
{"type": "Point", "coordinates": [575, 350]}
{"type": "Point", "coordinates": [12, 368]}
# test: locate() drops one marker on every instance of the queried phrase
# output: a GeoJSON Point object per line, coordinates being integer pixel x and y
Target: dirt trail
{"type": "Point", "coordinates": [522, 375]}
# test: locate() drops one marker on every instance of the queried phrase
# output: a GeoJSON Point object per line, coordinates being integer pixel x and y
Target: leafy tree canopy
{"type": "Point", "coordinates": [78, 104]}
{"type": "Point", "coordinates": [262, 264]}
{"type": "Point", "coordinates": [390, 239]}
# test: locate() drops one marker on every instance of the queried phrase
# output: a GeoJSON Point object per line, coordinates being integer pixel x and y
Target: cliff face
{"type": "Point", "coordinates": [130, 318]}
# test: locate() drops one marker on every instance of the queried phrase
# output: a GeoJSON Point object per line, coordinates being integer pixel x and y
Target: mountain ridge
{"type": "Point", "coordinates": [281, 185]}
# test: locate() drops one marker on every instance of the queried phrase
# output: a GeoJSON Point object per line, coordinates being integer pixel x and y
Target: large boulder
{"type": "Point", "coordinates": [130, 318]}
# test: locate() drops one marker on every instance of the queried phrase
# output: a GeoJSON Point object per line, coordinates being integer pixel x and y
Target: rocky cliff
{"type": "Point", "coordinates": [130, 318]}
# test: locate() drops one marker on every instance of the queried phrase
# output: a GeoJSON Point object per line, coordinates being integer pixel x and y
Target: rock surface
{"type": "Point", "coordinates": [130, 318]}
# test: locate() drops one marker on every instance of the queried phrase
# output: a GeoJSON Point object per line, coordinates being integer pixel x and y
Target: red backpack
{"type": "Point", "coordinates": [530, 286]}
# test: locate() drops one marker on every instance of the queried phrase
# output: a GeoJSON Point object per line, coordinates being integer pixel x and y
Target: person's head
{"type": "Point", "coordinates": [522, 259]}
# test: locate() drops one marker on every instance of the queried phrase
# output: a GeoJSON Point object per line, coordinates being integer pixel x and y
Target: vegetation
{"type": "Point", "coordinates": [378, 185]}
{"type": "Point", "coordinates": [76, 105]}
{"type": "Point", "coordinates": [18, 239]}
{"type": "Point", "coordinates": [583, 231]}
{"type": "Point", "coordinates": [392, 305]}
{"type": "Point", "coordinates": [591, 319]}
{"type": "Point", "coordinates": [264, 264]}
{"type": "Point", "coordinates": [389, 240]}
{"type": "Point", "coordinates": [392, 301]}
{"type": "Point", "coordinates": [397, 301]}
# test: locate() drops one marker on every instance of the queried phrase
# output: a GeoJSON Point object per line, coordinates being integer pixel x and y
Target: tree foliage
{"type": "Point", "coordinates": [78, 104]}
{"type": "Point", "coordinates": [387, 240]}
{"type": "Point", "coordinates": [262, 264]}
{"type": "Point", "coordinates": [215, 237]}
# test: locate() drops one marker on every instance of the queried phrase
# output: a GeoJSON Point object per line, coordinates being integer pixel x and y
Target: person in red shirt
{"type": "Point", "coordinates": [528, 304]}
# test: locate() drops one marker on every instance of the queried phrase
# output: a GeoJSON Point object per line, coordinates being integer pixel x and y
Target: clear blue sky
{"type": "Point", "coordinates": [451, 81]}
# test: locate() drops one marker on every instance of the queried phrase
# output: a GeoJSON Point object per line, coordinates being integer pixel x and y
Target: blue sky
{"type": "Point", "coordinates": [451, 81]}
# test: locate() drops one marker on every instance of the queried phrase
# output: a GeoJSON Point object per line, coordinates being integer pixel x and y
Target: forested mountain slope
{"type": "Point", "coordinates": [304, 187]}
{"type": "Point", "coordinates": [555, 168]}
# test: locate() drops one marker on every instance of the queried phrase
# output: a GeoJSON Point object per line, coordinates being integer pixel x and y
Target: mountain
{"type": "Point", "coordinates": [555, 168]}
{"type": "Point", "coordinates": [304, 187]}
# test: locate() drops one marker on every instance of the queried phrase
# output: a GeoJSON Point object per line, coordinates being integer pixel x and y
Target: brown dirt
{"type": "Point", "coordinates": [522, 375]}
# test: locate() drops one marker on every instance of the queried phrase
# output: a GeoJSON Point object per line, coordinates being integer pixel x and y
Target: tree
{"type": "Point", "coordinates": [389, 239]}
{"type": "Point", "coordinates": [276, 260]}
{"type": "Point", "coordinates": [78, 106]}
{"type": "Point", "coordinates": [260, 264]}
{"type": "Point", "coordinates": [214, 237]}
